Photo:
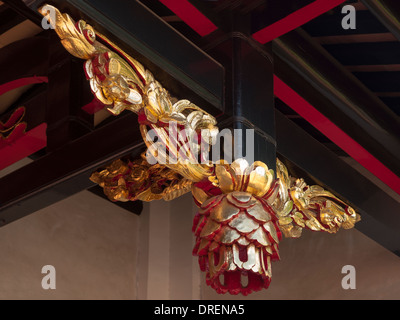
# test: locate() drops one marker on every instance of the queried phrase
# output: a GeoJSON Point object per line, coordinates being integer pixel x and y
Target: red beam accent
{"type": "Point", "coordinates": [14, 119]}
{"type": "Point", "coordinates": [191, 16]}
{"type": "Point", "coordinates": [33, 141]}
{"type": "Point", "coordinates": [21, 83]}
{"type": "Point", "coordinates": [295, 20]}
{"type": "Point", "coordinates": [93, 107]}
{"type": "Point", "coordinates": [335, 134]}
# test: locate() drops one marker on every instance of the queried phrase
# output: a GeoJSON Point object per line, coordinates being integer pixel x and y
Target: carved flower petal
{"type": "Point", "coordinates": [209, 204]}
{"type": "Point", "coordinates": [226, 178]}
{"type": "Point", "coordinates": [243, 223]}
{"type": "Point", "coordinates": [240, 167]}
{"type": "Point", "coordinates": [270, 228]}
{"type": "Point", "coordinates": [257, 266]}
{"type": "Point", "coordinates": [134, 97]}
{"type": "Point", "coordinates": [213, 268]}
{"type": "Point", "coordinates": [227, 235]}
{"type": "Point", "coordinates": [273, 195]}
{"type": "Point", "coordinates": [260, 179]}
{"type": "Point", "coordinates": [214, 246]}
{"type": "Point", "coordinates": [203, 248]}
{"type": "Point", "coordinates": [199, 194]}
{"type": "Point", "coordinates": [243, 241]}
{"type": "Point", "coordinates": [224, 211]}
{"type": "Point", "coordinates": [241, 199]}
{"type": "Point", "coordinates": [230, 259]}
{"type": "Point", "coordinates": [251, 259]}
{"type": "Point", "coordinates": [236, 256]}
{"type": "Point", "coordinates": [260, 236]}
{"type": "Point", "coordinates": [266, 265]}
{"type": "Point", "coordinates": [259, 213]}
{"type": "Point", "coordinates": [210, 228]}
{"type": "Point", "coordinates": [200, 225]}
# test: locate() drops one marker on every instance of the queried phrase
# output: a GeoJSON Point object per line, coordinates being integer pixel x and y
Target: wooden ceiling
{"type": "Point", "coordinates": [370, 53]}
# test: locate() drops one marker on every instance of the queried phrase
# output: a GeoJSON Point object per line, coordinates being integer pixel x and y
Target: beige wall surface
{"type": "Point", "coordinates": [103, 252]}
{"type": "Point", "coordinates": [91, 243]}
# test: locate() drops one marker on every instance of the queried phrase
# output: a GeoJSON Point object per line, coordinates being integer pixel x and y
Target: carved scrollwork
{"type": "Point", "coordinates": [243, 208]}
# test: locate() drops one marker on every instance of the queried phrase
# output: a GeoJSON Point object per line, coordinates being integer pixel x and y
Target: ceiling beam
{"type": "Point", "coordinates": [67, 170]}
{"type": "Point", "coordinates": [337, 94]}
{"type": "Point", "coordinates": [21, 8]}
{"type": "Point", "coordinates": [336, 135]}
{"type": "Point", "coordinates": [193, 17]}
{"type": "Point", "coordinates": [187, 70]}
{"type": "Point", "coordinates": [9, 19]}
{"type": "Point", "coordinates": [309, 159]}
{"type": "Point", "coordinates": [387, 12]}
{"type": "Point", "coordinates": [356, 38]}
{"type": "Point", "coordinates": [295, 20]}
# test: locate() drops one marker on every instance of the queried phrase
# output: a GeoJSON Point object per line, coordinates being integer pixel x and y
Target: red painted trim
{"type": "Point", "coordinates": [335, 134]}
{"type": "Point", "coordinates": [191, 16]}
{"type": "Point", "coordinates": [6, 87]}
{"type": "Point", "coordinates": [93, 107]}
{"type": "Point", "coordinates": [17, 132]}
{"type": "Point", "coordinates": [33, 141]}
{"type": "Point", "coordinates": [295, 20]}
{"type": "Point", "coordinates": [122, 54]}
{"type": "Point", "coordinates": [15, 118]}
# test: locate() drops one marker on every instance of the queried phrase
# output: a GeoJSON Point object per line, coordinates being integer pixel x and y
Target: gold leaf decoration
{"type": "Point", "coordinates": [137, 180]}
{"type": "Point", "coordinates": [243, 208]}
{"type": "Point", "coordinates": [302, 206]}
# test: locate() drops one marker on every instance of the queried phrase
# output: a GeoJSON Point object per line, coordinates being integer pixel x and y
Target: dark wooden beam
{"type": "Point", "coordinates": [356, 38]}
{"type": "Point", "coordinates": [35, 107]}
{"type": "Point", "coordinates": [24, 59]}
{"type": "Point", "coordinates": [339, 95]}
{"type": "Point", "coordinates": [20, 7]}
{"type": "Point", "coordinates": [187, 70]}
{"type": "Point", "coordinates": [136, 207]}
{"type": "Point", "coordinates": [367, 53]}
{"type": "Point", "coordinates": [330, 25]}
{"type": "Point", "coordinates": [387, 12]}
{"type": "Point", "coordinates": [66, 171]}
{"type": "Point", "coordinates": [274, 11]}
{"type": "Point", "coordinates": [9, 19]}
{"type": "Point", "coordinates": [249, 93]}
{"type": "Point", "coordinates": [307, 158]}
{"type": "Point", "coordinates": [191, 74]}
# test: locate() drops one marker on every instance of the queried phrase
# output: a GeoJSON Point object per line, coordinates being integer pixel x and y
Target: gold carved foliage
{"type": "Point", "coordinates": [122, 83]}
{"type": "Point", "coordinates": [302, 206]}
{"type": "Point", "coordinates": [125, 180]}
{"type": "Point", "coordinates": [78, 39]}
{"type": "Point", "coordinates": [244, 208]}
